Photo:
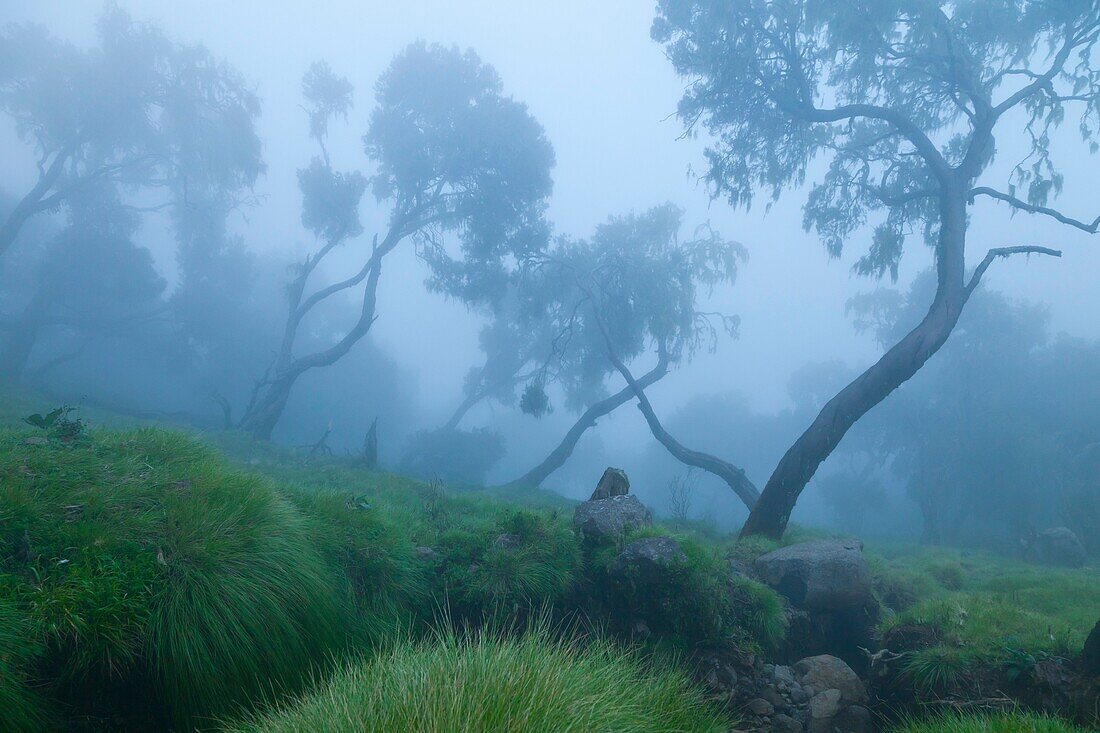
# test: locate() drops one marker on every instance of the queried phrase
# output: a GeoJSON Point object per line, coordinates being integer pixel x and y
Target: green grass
{"type": "Point", "coordinates": [1002, 723]}
{"type": "Point", "coordinates": [487, 682]}
{"type": "Point", "coordinates": [158, 581]}
{"type": "Point", "coordinates": [20, 708]}
{"type": "Point", "coordinates": [991, 606]}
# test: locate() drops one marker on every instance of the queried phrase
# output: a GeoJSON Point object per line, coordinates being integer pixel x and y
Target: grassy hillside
{"type": "Point", "coordinates": [156, 580]}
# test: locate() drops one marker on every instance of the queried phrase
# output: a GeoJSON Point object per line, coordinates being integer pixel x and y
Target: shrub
{"type": "Point", "coordinates": [484, 682]}
{"type": "Point", "coordinates": [458, 456]}
{"type": "Point", "coordinates": [162, 585]}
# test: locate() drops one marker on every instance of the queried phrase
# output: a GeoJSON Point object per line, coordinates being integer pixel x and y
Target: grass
{"type": "Point", "coordinates": [533, 682]}
{"type": "Point", "coordinates": [1001, 723]}
{"type": "Point", "coordinates": [992, 606]}
{"type": "Point", "coordinates": [20, 708]}
{"type": "Point", "coordinates": [158, 581]}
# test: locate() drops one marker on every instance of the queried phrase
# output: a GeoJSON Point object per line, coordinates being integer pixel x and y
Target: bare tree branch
{"type": "Point", "coordinates": [1022, 205]}
{"type": "Point", "coordinates": [1005, 252]}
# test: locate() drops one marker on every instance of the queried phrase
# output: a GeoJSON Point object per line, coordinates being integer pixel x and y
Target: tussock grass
{"type": "Point", "coordinates": [1003, 723]}
{"type": "Point", "coordinates": [156, 580]}
{"type": "Point", "coordinates": [21, 710]}
{"type": "Point", "coordinates": [488, 682]}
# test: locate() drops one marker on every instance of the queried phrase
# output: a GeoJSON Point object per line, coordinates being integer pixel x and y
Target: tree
{"type": "Point", "coordinates": [628, 292]}
{"type": "Point", "coordinates": [453, 156]}
{"type": "Point", "coordinates": [137, 110]}
{"type": "Point", "coordinates": [903, 98]}
{"type": "Point", "coordinates": [89, 280]}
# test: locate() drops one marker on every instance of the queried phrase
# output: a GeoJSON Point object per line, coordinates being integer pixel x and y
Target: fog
{"type": "Point", "coordinates": [606, 97]}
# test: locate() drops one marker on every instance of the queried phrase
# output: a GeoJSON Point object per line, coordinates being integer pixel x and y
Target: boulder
{"type": "Point", "coordinates": [1058, 546]}
{"type": "Point", "coordinates": [854, 719]}
{"type": "Point", "coordinates": [785, 724]}
{"type": "Point", "coordinates": [648, 561]}
{"type": "Point", "coordinates": [1090, 657]}
{"type": "Point", "coordinates": [825, 705]}
{"type": "Point", "coordinates": [825, 672]}
{"type": "Point", "coordinates": [606, 520]}
{"type": "Point", "coordinates": [613, 483]}
{"type": "Point", "coordinates": [823, 575]}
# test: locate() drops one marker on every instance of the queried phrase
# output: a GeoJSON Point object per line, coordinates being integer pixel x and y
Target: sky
{"type": "Point", "coordinates": [607, 97]}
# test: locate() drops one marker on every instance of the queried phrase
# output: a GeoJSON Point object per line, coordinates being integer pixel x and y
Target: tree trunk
{"type": "Point", "coordinates": [561, 453]}
{"type": "Point", "coordinates": [734, 476]}
{"type": "Point", "coordinates": [16, 353]}
{"type": "Point", "coordinates": [463, 408]}
{"type": "Point", "coordinates": [264, 414]}
{"type": "Point", "coordinates": [772, 512]}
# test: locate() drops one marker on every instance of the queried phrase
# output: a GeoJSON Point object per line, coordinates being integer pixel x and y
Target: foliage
{"type": "Point", "coordinates": [58, 424]}
{"type": "Point", "coordinates": [453, 456]}
{"type": "Point", "coordinates": [488, 682]}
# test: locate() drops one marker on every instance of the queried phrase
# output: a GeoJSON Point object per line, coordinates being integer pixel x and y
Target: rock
{"type": "Point", "coordinates": [1058, 546]}
{"type": "Point", "coordinates": [823, 575]}
{"type": "Point", "coordinates": [426, 553]}
{"type": "Point", "coordinates": [613, 483]}
{"type": "Point", "coordinates": [785, 724]}
{"type": "Point", "coordinates": [825, 672]}
{"type": "Point", "coordinates": [825, 705]}
{"type": "Point", "coordinates": [1090, 657]}
{"type": "Point", "coordinates": [606, 520]}
{"type": "Point", "coordinates": [853, 719]}
{"type": "Point", "coordinates": [648, 561]}
{"type": "Point", "coordinates": [36, 440]}
{"type": "Point", "coordinates": [759, 706]}
{"type": "Point", "coordinates": [782, 673]}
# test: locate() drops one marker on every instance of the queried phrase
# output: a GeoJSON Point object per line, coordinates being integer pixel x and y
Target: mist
{"type": "Point", "coordinates": [605, 98]}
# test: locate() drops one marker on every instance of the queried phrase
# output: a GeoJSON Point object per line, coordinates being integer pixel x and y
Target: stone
{"type": "Point", "coordinates": [648, 561]}
{"type": "Point", "coordinates": [36, 440]}
{"type": "Point", "coordinates": [607, 520]}
{"type": "Point", "coordinates": [822, 575]}
{"type": "Point", "coordinates": [1090, 656]}
{"type": "Point", "coordinates": [759, 706]}
{"type": "Point", "coordinates": [853, 719]}
{"type": "Point", "coordinates": [613, 483]}
{"type": "Point", "coordinates": [1058, 546]}
{"type": "Point", "coordinates": [426, 553]}
{"type": "Point", "coordinates": [825, 672]}
{"type": "Point", "coordinates": [782, 673]}
{"type": "Point", "coordinates": [785, 724]}
{"type": "Point", "coordinates": [825, 705]}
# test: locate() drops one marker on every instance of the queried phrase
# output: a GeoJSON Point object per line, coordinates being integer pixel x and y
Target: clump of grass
{"type": "Point", "coordinates": [380, 573]}
{"type": "Point", "coordinates": [533, 682]}
{"type": "Point", "coordinates": [694, 603]}
{"type": "Point", "coordinates": [21, 709]}
{"type": "Point", "coordinates": [506, 561]}
{"type": "Point", "coordinates": [1010, 722]}
{"type": "Point", "coordinates": [938, 670]}
{"type": "Point", "coordinates": [159, 581]}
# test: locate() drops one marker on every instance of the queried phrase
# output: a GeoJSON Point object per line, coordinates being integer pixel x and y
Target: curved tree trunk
{"type": "Point", "coordinates": [561, 453]}
{"type": "Point", "coordinates": [772, 512]}
{"type": "Point", "coordinates": [734, 476]}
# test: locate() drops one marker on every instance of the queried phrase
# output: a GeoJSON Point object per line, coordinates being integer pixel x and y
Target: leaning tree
{"type": "Point", "coordinates": [136, 110]}
{"type": "Point", "coordinates": [465, 172]}
{"type": "Point", "coordinates": [627, 294]}
{"type": "Point", "coordinates": [903, 99]}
